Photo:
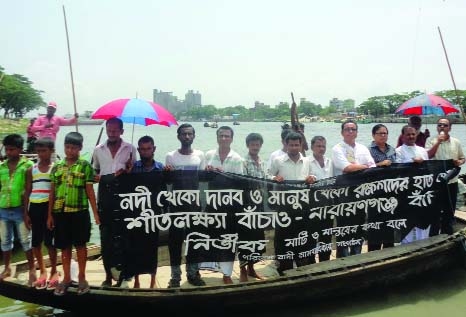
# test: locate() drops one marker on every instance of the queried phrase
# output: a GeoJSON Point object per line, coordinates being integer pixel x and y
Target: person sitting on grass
{"type": "Point", "coordinates": [71, 192]}
{"type": "Point", "coordinates": [36, 203]}
{"type": "Point", "coordinates": [12, 182]}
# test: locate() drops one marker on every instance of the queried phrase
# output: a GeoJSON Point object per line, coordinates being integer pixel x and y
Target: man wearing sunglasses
{"type": "Point", "coordinates": [446, 147]}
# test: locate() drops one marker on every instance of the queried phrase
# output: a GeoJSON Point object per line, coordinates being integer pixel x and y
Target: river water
{"type": "Point", "coordinates": [443, 294]}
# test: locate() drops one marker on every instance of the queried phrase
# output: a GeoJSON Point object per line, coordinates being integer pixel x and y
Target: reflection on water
{"type": "Point", "coordinates": [439, 294]}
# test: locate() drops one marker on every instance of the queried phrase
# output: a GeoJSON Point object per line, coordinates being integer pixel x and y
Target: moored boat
{"type": "Point", "coordinates": [305, 284]}
{"type": "Point", "coordinates": [308, 284]}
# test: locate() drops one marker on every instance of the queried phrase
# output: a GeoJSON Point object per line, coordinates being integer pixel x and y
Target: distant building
{"type": "Point", "coordinates": [192, 99]}
{"type": "Point", "coordinates": [173, 104]}
{"type": "Point", "coordinates": [258, 104]}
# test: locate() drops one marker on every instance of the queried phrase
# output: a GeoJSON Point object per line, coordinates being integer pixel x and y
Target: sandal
{"type": "Point", "coordinates": [62, 288]}
{"type": "Point", "coordinates": [53, 283]}
{"type": "Point", "coordinates": [83, 287]}
{"type": "Point", "coordinates": [40, 283]}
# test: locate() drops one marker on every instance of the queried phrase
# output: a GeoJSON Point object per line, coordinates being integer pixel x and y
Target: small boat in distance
{"type": "Point", "coordinates": [235, 123]}
{"type": "Point", "coordinates": [210, 125]}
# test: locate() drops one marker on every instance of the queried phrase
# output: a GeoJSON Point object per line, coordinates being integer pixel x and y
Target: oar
{"type": "Point", "coordinates": [71, 68]}
{"type": "Point", "coordinates": [451, 75]}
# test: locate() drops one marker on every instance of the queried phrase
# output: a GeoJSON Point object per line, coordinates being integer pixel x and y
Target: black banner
{"type": "Point", "coordinates": [220, 216]}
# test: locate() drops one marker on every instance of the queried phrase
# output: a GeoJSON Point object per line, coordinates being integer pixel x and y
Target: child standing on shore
{"type": "Point", "coordinates": [68, 213]}
{"type": "Point", "coordinates": [36, 203]}
{"type": "Point", "coordinates": [12, 182]}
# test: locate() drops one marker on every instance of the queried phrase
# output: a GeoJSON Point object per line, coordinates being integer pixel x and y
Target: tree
{"type": "Point", "coordinates": [17, 97]}
{"type": "Point", "coordinates": [457, 97]}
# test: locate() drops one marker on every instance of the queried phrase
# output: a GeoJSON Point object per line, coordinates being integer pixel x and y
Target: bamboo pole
{"type": "Point", "coordinates": [451, 75]}
{"type": "Point", "coordinates": [71, 68]}
{"type": "Point", "coordinates": [295, 125]}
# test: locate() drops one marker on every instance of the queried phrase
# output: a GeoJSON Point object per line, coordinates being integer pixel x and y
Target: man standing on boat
{"type": "Point", "coordinates": [185, 162]}
{"type": "Point", "coordinates": [146, 164]}
{"type": "Point", "coordinates": [409, 152]}
{"type": "Point", "coordinates": [350, 156]}
{"type": "Point", "coordinates": [255, 167]}
{"type": "Point", "coordinates": [110, 159]}
{"type": "Point", "coordinates": [224, 159]}
{"type": "Point", "coordinates": [322, 167]}
{"type": "Point", "coordinates": [48, 125]}
{"type": "Point", "coordinates": [446, 147]}
{"type": "Point", "coordinates": [293, 167]}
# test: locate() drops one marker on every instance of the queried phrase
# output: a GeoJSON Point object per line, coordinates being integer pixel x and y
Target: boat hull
{"type": "Point", "coordinates": [309, 284]}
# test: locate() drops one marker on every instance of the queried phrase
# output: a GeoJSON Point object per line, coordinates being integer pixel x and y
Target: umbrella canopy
{"type": "Point", "coordinates": [136, 111]}
{"type": "Point", "coordinates": [426, 104]}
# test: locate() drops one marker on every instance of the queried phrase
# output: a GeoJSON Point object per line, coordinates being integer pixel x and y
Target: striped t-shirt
{"type": "Point", "coordinates": [40, 185]}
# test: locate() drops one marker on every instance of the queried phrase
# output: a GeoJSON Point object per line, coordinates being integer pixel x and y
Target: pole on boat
{"type": "Point", "coordinates": [451, 75]}
{"type": "Point", "coordinates": [295, 126]}
{"type": "Point", "coordinates": [71, 68]}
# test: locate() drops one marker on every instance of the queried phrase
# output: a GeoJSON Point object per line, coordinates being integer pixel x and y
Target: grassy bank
{"type": "Point", "coordinates": [8, 126]}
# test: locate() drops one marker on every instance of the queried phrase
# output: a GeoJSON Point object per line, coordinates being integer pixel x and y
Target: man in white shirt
{"type": "Point", "coordinates": [110, 158]}
{"type": "Point", "coordinates": [322, 167]}
{"type": "Point", "coordinates": [349, 156]}
{"type": "Point", "coordinates": [446, 147]}
{"type": "Point", "coordinates": [184, 161]}
{"type": "Point", "coordinates": [224, 159]}
{"type": "Point", "coordinates": [279, 152]}
{"type": "Point", "coordinates": [293, 167]}
{"type": "Point", "coordinates": [409, 152]}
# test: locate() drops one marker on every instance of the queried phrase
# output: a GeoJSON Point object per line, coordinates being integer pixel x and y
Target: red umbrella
{"type": "Point", "coordinates": [426, 104]}
{"type": "Point", "coordinates": [136, 111]}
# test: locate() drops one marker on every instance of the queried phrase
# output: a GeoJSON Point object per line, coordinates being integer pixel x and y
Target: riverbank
{"type": "Point", "coordinates": [8, 126]}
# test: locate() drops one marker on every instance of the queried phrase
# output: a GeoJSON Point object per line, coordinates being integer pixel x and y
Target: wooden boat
{"type": "Point", "coordinates": [309, 284]}
{"type": "Point", "coordinates": [306, 284]}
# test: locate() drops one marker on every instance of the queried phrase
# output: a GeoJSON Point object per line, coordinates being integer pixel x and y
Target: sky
{"type": "Point", "coordinates": [233, 52]}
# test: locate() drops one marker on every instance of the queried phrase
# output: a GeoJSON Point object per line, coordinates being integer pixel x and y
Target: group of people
{"type": "Point", "coordinates": [48, 202]}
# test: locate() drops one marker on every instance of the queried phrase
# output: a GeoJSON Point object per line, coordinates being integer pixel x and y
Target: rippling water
{"type": "Point", "coordinates": [437, 295]}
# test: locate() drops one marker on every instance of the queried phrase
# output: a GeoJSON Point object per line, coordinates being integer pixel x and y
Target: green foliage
{"type": "Point", "coordinates": [457, 97]}
{"type": "Point", "coordinates": [386, 105]}
{"type": "Point", "coordinates": [17, 97]}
